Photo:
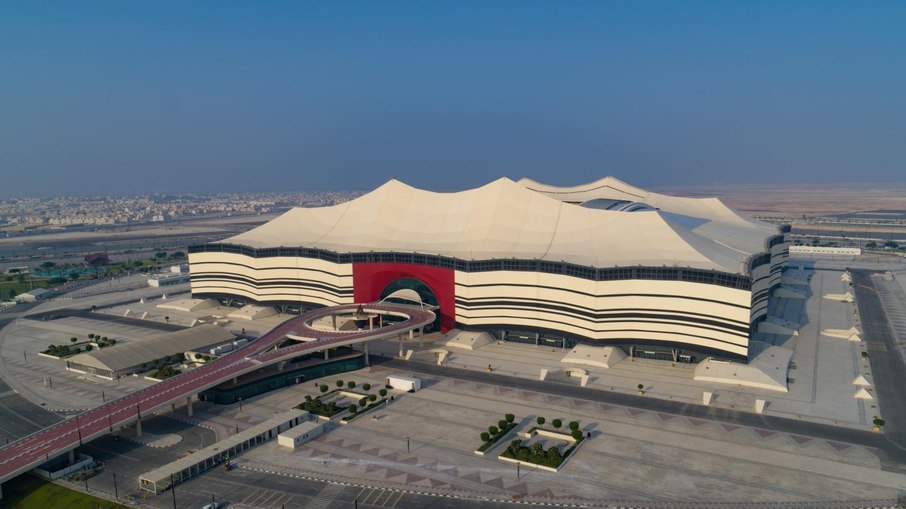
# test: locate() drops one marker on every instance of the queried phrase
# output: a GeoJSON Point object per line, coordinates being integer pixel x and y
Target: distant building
{"type": "Point", "coordinates": [34, 295]}
{"type": "Point", "coordinates": [182, 268]}
{"type": "Point", "coordinates": [97, 259]}
{"type": "Point", "coordinates": [168, 279]}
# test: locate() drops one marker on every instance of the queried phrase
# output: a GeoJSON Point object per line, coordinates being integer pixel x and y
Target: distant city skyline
{"type": "Point", "coordinates": [119, 98]}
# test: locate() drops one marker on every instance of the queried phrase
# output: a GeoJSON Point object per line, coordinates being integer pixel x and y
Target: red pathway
{"type": "Point", "coordinates": [53, 441]}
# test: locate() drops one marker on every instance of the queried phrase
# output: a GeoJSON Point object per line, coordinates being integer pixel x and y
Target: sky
{"type": "Point", "coordinates": [193, 96]}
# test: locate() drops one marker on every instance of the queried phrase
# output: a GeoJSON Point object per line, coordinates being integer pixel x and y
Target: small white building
{"type": "Point", "coordinates": [182, 268]}
{"type": "Point", "coordinates": [34, 295]}
{"type": "Point", "coordinates": [167, 279]}
{"type": "Point", "coordinates": [404, 383]}
{"type": "Point", "coordinates": [304, 432]}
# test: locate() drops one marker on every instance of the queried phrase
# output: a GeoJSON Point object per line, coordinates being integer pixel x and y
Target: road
{"type": "Point", "coordinates": [887, 366]}
{"type": "Point", "coordinates": [26, 453]}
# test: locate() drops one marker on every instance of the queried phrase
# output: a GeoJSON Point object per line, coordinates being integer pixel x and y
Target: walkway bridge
{"type": "Point", "coordinates": [28, 452]}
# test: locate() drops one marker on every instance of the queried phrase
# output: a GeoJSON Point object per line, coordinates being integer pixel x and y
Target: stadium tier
{"type": "Point", "coordinates": [602, 263]}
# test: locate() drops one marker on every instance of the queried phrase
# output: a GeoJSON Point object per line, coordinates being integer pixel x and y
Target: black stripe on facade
{"type": "Point", "coordinates": [286, 284]}
{"type": "Point", "coordinates": [605, 295]}
{"type": "Point", "coordinates": [617, 321]}
{"type": "Point", "coordinates": [714, 277]}
{"type": "Point", "coordinates": [273, 268]}
{"type": "Point", "coordinates": [507, 319]}
{"type": "Point", "coordinates": [605, 315]}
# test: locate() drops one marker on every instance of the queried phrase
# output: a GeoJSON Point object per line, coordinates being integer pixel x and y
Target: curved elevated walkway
{"type": "Point", "coordinates": [51, 442]}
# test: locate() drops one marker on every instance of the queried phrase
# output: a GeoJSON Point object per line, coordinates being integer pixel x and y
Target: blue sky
{"type": "Point", "coordinates": [125, 97]}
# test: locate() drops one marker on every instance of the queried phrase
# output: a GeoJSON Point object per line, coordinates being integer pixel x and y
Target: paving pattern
{"type": "Point", "coordinates": [634, 455]}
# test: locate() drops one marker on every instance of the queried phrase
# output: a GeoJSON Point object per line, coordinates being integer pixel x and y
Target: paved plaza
{"type": "Point", "coordinates": [419, 450]}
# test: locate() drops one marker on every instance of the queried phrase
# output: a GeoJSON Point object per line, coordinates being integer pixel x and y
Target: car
{"type": "Point", "coordinates": [212, 505]}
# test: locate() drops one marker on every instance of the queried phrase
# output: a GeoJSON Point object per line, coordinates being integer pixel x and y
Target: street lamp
{"type": "Point", "coordinates": [173, 489]}
{"type": "Point", "coordinates": [240, 403]}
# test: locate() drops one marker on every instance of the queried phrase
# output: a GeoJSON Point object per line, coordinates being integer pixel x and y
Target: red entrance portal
{"type": "Point", "coordinates": [369, 279]}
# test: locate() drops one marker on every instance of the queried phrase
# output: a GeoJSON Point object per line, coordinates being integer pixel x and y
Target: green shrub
{"type": "Point", "coordinates": [363, 401]}
{"type": "Point", "coordinates": [350, 384]}
{"type": "Point", "coordinates": [574, 425]}
{"type": "Point", "coordinates": [557, 423]}
{"type": "Point", "coordinates": [382, 392]}
{"type": "Point", "coordinates": [493, 430]}
{"type": "Point", "coordinates": [372, 397]}
{"type": "Point", "coordinates": [339, 384]}
{"type": "Point", "coordinates": [89, 348]}
{"type": "Point", "coordinates": [323, 388]}
{"type": "Point", "coordinates": [577, 434]}
{"type": "Point", "coordinates": [540, 420]}
{"type": "Point", "coordinates": [485, 436]}
{"type": "Point", "coordinates": [509, 417]}
{"type": "Point", "coordinates": [502, 424]}
{"type": "Point", "coordinates": [91, 336]}
{"type": "Point", "coordinates": [367, 387]}
{"type": "Point", "coordinates": [352, 408]}
{"type": "Point", "coordinates": [878, 422]}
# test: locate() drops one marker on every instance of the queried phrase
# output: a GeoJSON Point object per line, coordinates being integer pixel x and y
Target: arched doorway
{"type": "Point", "coordinates": [424, 292]}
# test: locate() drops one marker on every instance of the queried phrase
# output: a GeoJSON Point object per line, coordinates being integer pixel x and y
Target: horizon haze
{"type": "Point", "coordinates": [170, 97]}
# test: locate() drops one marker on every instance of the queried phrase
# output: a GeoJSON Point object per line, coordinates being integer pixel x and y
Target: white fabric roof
{"type": "Point", "coordinates": [709, 217]}
{"type": "Point", "coordinates": [504, 219]}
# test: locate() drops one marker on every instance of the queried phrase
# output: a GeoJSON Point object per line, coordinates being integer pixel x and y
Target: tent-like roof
{"type": "Point", "coordinates": [136, 352]}
{"type": "Point", "coordinates": [708, 216]}
{"type": "Point", "coordinates": [504, 220]}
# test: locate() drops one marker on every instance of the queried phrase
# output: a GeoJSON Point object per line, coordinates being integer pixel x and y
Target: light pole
{"type": "Point", "coordinates": [173, 489]}
{"type": "Point", "coordinates": [116, 493]}
{"type": "Point", "coordinates": [78, 430]}
{"type": "Point", "coordinates": [407, 445]}
{"type": "Point", "coordinates": [240, 403]}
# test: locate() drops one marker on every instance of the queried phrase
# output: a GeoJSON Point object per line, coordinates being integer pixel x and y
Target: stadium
{"type": "Point", "coordinates": [603, 263]}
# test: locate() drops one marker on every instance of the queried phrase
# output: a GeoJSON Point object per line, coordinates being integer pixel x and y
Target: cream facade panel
{"type": "Point", "coordinates": [272, 279]}
{"type": "Point", "coordinates": [671, 311]}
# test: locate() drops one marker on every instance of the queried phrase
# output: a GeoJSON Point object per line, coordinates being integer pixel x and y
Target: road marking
{"type": "Point", "coordinates": [254, 494]}
{"type": "Point", "coordinates": [5, 394]}
{"type": "Point", "coordinates": [397, 501]}
{"type": "Point", "coordinates": [325, 497]}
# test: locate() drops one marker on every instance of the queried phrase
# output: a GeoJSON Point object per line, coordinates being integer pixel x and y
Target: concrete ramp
{"type": "Point", "coordinates": [840, 297]}
{"type": "Point", "coordinates": [598, 356]}
{"type": "Point", "coordinates": [468, 340]}
{"type": "Point", "coordinates": [768, 370]}
{"type": "Point", "coordinates": [862, 381]}
{"type": "Point", "coordinates": [863, 393]}
{"type": "Point", "coordinates": [252, 312]}
{"type": "Point", "coordinates": [188, 305]}
{"type": "Point", "coordinates": [774, 325]}
{"type": "Point", "coordinates": [439, 354]}
{"type": "Point", "coordinates": [851, 334]}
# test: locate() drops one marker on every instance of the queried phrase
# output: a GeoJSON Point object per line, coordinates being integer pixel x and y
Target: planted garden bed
{"type": "Point", "coordinates": [495, 433]}
{"type": "Point", "coordinates": [536, 455]}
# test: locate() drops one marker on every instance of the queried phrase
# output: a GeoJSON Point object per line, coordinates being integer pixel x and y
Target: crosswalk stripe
{"type": "Point", "coordinates": [325, 497]}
